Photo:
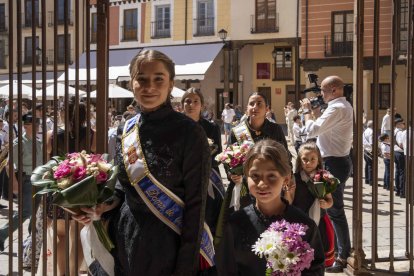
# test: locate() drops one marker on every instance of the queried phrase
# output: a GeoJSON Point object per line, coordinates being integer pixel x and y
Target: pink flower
{"type": "Point", "coordinates": [62, 171]}
{"type": "Point", "coordinates": [234, 162]}
{"type": "Point", "coordinates": [79, 173]}
{"type": "Point", "coordinates": [317, 177]}
{"type": "Point", "coordinates": [95, 158]}
{"type": "Point", "coordinates": [101, 177]}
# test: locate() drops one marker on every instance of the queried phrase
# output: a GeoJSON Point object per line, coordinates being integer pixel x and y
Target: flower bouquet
{"type": "Point", "coordinates": [285, 251]}
{"type": "Point", "coordinates": [79, 180]}
{"type": "Point", "coordinates": [324, 183]}
{"type": "Point", "coordinates": [233, 157]}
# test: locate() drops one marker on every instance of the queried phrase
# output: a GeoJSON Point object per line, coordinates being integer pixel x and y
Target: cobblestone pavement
{"type": "Point", "coordinates": [382, 268]}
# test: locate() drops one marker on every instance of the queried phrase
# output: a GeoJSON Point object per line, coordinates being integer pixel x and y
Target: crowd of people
{"type": "Point", "coordinates": [215, 228]}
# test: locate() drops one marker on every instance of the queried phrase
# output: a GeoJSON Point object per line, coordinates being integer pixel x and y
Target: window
{"type": "Point", "coordinates": [205, 17]}
{"type": "Point", "coordinates": [263, 71]}
{"type": "Point", "coordinates": [403, 26]}
{"type": "Point", "coordinates": [94, 27]}
{"type": "Point", "coordinates": [28, 58]}
{"type": "Point", "coordinates": [342, 33]}
{"type": "Point", "coordinates": [384, 92]}
{"type": "Point", "coordinates": [2, 54]}
{"type": "Point", "coordinates": [130, 24]}
{"type": "Point", "coordinates": [3, 18]}
{"type": "Point", "coordinates": [266, 17]}
{"type": "Point", "coordinates": [161, 26]}
{"type": "Point", "coordinates": [283, 63]}
{"type": "Point", "coordinates": [61, 49]}
{"type": "Point", "coordinates": [28, 13]}
{"type": "Point", "coordinates": [61, 12]}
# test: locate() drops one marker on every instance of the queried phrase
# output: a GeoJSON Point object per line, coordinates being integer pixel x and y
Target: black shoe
{"type": "Point", "coordinates": [337, 267]}
{"type": "Point", "coordinates": [1, 246]}
{"type": "Point", "coordinates": [3, 206]}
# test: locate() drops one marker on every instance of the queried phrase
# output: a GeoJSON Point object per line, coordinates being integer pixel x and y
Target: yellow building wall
{"type": "Point", "coordinates": [178, 20]}
{"type": "Point", "coordinates": [224, 16]}
{"type": "Point", "coordinates": [147, 30]}
{"type": "Point", "coordinates": [263, 54]}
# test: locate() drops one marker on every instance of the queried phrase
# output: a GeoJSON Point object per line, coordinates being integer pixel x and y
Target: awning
{"type": "Point", "coordinates": [191, 62]}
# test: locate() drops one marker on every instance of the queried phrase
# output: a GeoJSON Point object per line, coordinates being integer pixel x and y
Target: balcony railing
{"type": "Point", "coordinates": [60, 19]}
{"type": "Point", "coordinates": [204, 26]}
{"type": "Point", "coordinates": [129, 33]}
{"type": "Point", "coordinates": [28, 58]}
{"type": "Point", "coordinates": [27, 20]}
{"type": "Point", "coordinates": [4, 24]}
{"type": "Point", "coordinates": [282, 73]}
{"type": "Point", "coordinates": [161, 29]}
{"type": "Point", "coordinates": [338, 49]}
{"type": "Point", "coordinates": [60, 58]}
{"type": "Point", "coordinates": [269, 25]}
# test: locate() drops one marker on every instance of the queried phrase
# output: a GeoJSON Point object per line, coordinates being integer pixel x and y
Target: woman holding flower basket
{"type": "Point", "coordinates": [313, 194]}
{"type": "Point", "coordinates": [192, 102]}
{"type": "Point", "coordinates": [164, 167]}
{"type": "Point", "coordinates": [269, 237]}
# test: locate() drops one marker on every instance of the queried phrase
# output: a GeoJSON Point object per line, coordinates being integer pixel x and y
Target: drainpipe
{"type": "Point", "coordinates": [306, 22]}
{"type": "Point", "coordinates": [297, 60]}
{"type": "Point", "coordinates": [186, 22]}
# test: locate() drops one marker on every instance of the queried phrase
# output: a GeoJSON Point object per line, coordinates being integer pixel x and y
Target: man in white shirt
{"type": "Point", "coordinates": [333, 130]}
{"type": "Point", "coordinates": [367, 144]}
{"type": "Point", "coordinates": [227, 116]}
{"type": "Point", "coordinates": [399, 157]}
{"type": "Point", "coordinates": [386, 123]}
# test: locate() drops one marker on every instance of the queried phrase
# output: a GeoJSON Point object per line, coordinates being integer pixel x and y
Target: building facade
{"type": "Point", "coordinates": [327, 46]}
{"type": "Point", "coordinates": [28, 56]}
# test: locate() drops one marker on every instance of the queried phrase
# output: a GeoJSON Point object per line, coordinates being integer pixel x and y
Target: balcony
{"type": "Point", "coordinates": [60, 19]}
{"type": "Point", "coordinates": [338, 49]}
{"type": "Point", "coordinates": [269, 25]}
{"type": "Point", "coordinates": [204, 26]}
{"type": "Point", "coordinates": [60, 57]}
{"type": "Point", "coordinates": [129, 33]}
{"type": "Point", "coordinates": [160, 29]}
{"type": "Point", "coordinates": [4, 24]}
{"type": "Point", "coordinates": [27, 20]}
{"type": "Point", "coordinates": [282, 73]}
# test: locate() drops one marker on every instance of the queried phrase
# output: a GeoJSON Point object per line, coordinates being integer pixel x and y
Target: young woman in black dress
{"type": "Point", "coordinates": [192, 102]}
{"type": "Point", "coordinates": [268, 171]}
{"type": "Point", "coordinates": [169, 152]}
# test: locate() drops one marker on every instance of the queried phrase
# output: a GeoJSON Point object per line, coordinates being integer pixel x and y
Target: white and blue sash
{"type": "Point", "coordinates": [162, 202]}
{"type": "Point", "coordinates": [242, 133]}
{"type": "Point", "coordinates": [215, 181]}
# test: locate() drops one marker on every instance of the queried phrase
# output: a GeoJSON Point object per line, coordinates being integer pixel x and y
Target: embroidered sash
{"type": "Point", "coordinates": [215, 181]}
{"type": "Point", "coordinates": [242, 133]}
{"type": "Point", "coordinates": [162, 202]}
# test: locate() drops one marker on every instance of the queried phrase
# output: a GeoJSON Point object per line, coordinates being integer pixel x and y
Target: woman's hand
{"type": "Point", "coordinates": [94, 213]}
{"type": "Point", "coordinates": [323, 203]}
{"type": "Point", "coordinates": [237, 179]}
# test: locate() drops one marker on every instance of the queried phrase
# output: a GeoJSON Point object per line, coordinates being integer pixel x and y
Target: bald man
{"type": "Point", "coordinates": [333, 130]}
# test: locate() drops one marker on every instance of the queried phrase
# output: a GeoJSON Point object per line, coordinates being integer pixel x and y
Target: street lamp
{"type": "Point", "coordinates": [223, 35]}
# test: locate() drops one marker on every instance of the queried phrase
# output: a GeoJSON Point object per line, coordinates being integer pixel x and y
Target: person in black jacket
{"type": "Point", "coordinates": [171, 150]}
{"type": "Point", "coordinates": [268, 171]}
{"type": "Point", "coordinates": [192, 103]}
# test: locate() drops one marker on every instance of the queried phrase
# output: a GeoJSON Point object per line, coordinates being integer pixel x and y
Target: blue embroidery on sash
{"type": "Point", "coordinates": [131, 123]}
{"type": "Point", "coordinates": [215, 179]}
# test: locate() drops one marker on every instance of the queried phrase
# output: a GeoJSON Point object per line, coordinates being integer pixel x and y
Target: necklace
{"type": "Point", "coordinates": [257, 132]}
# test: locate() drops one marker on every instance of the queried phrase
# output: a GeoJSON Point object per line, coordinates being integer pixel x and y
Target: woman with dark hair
{"type": "Point", "coordinates": [164, 166]}
{"type": "Point", "coordinates": [192, 102]}
{"type": "Point", "coordinates": [254, 129]}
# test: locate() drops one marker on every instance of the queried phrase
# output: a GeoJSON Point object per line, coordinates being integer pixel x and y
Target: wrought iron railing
{"type": "Point", "coordinates": [336, 48]}
{"type": "Point", "coordinates": [269, 25]}
{"type": "Point", "coordinates": [204, 26]}
{"type": "Point", "coordinates": [60, 19]}
{"type": "Point", "coordinates": [161, 29]}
